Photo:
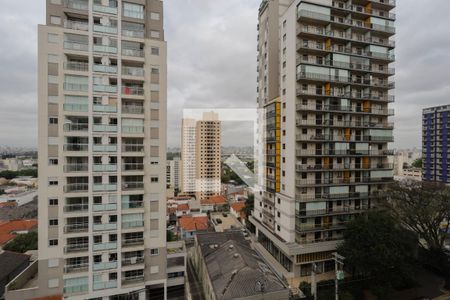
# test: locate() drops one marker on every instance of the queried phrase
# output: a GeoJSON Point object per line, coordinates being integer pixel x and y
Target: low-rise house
{"type": "Point", "coordinates": [213, 203]}
{"type": "Point", "coordinates": [229, 268]}
{"type": "Point", "coordinates": [182, 210]}
{"type": "Point", "coordinates": [11, 265]}
{"type": "Point", "coordinates": [189, 226]}
{"type": "Point", "coordinates": [9, 229]}
{"type": "Point", "coordinates": [237, 210]}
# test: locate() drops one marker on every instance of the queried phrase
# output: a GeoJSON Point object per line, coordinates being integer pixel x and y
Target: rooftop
{"type": "Point", "coordinates": [10, 261]}
{"type": "Point", "coordinates": [182, 207]}
{"type": "Point", "coordinates": [234, 268]}
{"type": "Point", "coordinates": [215, 200]}
{"type": "Point", "coordinates": [196, 223]}
{"type": "Point", "coordinates": [8, 229]}
{"type": "Point", "coordinates": [238, 206]}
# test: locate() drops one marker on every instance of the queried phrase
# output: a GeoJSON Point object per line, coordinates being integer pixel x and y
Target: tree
{"type": "Point", "coordinates": [423, 207]}
{"type": "Point", "coordinates": [249, 205]}
{"type": "Point", "coordinates": [23, 242]}
{"type": "Point", "coordinates": [417, 163]}
{"type": "Point", "coordinates": [170, 236]}
{"type": "Point", "coordinates": [377, 247]}
{"type": "Point", "coordinates": [305, 287]}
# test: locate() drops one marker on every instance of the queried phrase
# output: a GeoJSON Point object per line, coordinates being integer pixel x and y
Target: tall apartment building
{"type": "Point", "coordinates": [102, 151]}
{"type": "Point", "coordinates": [208, 156]}
{"type": "Point", "coordinates": [435, 144]}
{"type": "Point", "coordinates": [323, 80]}
{"type": "Point", "coordinates": [201, 156]}
{"type": "Point", "coordinates": [174, 173]}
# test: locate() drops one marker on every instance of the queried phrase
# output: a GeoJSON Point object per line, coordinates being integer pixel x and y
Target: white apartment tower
{"type": "Point", "coordinates": [102, 151]}
{"type": "Point", "coordinates": [188, 157]}
{"type": "Point", "coordinates": [323, 79]}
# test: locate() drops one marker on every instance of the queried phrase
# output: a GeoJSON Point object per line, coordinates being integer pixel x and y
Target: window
{"type": "Point", "coordinates": [133, 10]}
{"type": "Point", "coordinates": [155, 70]}
{"type": "Point", "coordinates": [52, 38]}
{"type": "Point", "coordinates": [55, 20]}
{"type": "Point", "coordinates": [52, 161]}
{"type": "Point", "coordinates": [154, 16]}
{"type": "Point", "coordinates": [52, 99]}
{"type": "Point", "coordinates": [284, 23]}
{"type": "Point", "coordinates": [53, 242]}
{"type": "Point", "coordinates": [53, 222]}
{"type": "Point", "coordinates": [154, 179]}
{"type": "Point", "coordinates": [53, 202]}
{"type": "Point", "coordinates": [52, 120]}
{"type": "Point", "coordinates": [284, 91]}
{"type": "Point", "coordinates": [278, 228]}
{"type": "Point", "coordinates": [155, 51]}
{"type": "Point", "coordinates": [154, 251]}
{"type": "Point", "coordinates": [279, 200]}
{"type": "Point", "coordinates": [52, 182]}
{"type": "Point", "coordinates": [278, 214]}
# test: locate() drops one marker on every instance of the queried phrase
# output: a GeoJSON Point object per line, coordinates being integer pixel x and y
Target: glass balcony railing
{"type": "Point", "coordinates": [104, 148]}
{"type": "Point", "coordinates": [76, 25]}
{"type": "Point", "coordinates": [132, 148]}
{"type": "Point", "coordinates": [105, 29]}
{"type": "Point", "coordinates": [107, 9]}
{"type": "Point", "coordinates": [133, 33]}
{"type": "Point", "coordinates": [105, 49]}
{"type": "Point", "coordinates": [132, 166]}
{"type": "Point", "coordinates": [133, 90]}
{"type": "Point", "coordinates": [133, 14]}
{"type": "Point", "coordinates": [76, 247]}
{"type": "Point", "coordinates": [132, 224]}
{"type": "Point", "coordinates": [78, 227]}
{"type": "Point", "coordinates": [76, 268]}
{"type": "Point", "coordinates": [76, 87]}
{"type": "Point", "coordinates": [104, 108]}
{"type": "Point", "coordinates": [132, 129]}
{"type": "Point", "coordinates": [133, 52]}
{"type": "Point", "coordinates": [76, 187]}
{"type": "Point", "coordinates": [132, 71]}
{"type": "Point", "coordinates": [132, 242]}
{"type": "Point", "coordinates": [76, 147]}
{"type": "Point", "coordinates": [77, 46]}
{"type": "Point", "coordinates": [77, 4]}
{"type": "Point", "coordinates": [105, 266]}
{"type": "Point", "coordinates": [132, 109]}
{"type": "Point", "coordinates": [104, 128]}
{"type": "Point", "coordinates": [132, 205]}
{"type": "Point", "coordinates": [68, 168]}
{"type": "Point", "coordinates": [131, 185]}
{"type": "Point", "coordinates": [79, 207]}
{"type": "Point", "coordinates": [104, 168]}
{"type": "Point", "coordinates": [105, 88]}
{"type": "Point", "coordinates": [132, 260]}
{"type": "Point", "coordinates": [76, 66]}
{"type": "Point", "coordinates": [104, 285]}
{"type": "Point", "coordinates": [105, 69]}
{"type": "Point", "coordinates": [104, 227]}
{"type": "Point", "coordinates": [104, 246]}
{"type": "Point", "coordinates": [80, 288]}
{"type": "Point", "coordinates": [107, 187]}
{"type": "Point", "coordinates": [75, 107]}
{"type": "Point", "coordinates": [104, 207]}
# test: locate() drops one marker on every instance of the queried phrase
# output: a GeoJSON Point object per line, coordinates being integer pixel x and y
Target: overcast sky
{"type": "Point", "coordinates": [212, 63]}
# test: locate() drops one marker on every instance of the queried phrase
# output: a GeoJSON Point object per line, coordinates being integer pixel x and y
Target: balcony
{"type": "Point", "coordinates": [76, 248]}
{"type": "Point", "coordinates": [132, 71]}
{"type": "Point", "coordinates": [77, 227]}
{"type": "Point", "coordinates": [75, 289]}
{"type": "Point", "coordinates": [133, 90]}
{"type": "Point", "coordinates": [104, 128]}
{"type": "Point", "coordinates": [132, 129]}
{"type": "Point", "coordinates": [104, 246]}
{"type": "Point", "coordinates": [132, 148]}
{"type": "Point", "coordinates": [132, 109]}
{"type": "Point", "coordinates": [106, 9]}
{"type": "Point", "coordinates": [105, 49]}
{"type": "Point", "coordinates": [76, 66]}
{"type": "Point", "coordinates": [133, 205]}
{"type": "Point", "coordinates": [107, 187]}
{"type": "Point", "coordinates": [104, 148]}
{"type": "Point", "coordinates": [133, 167]}
{"type": "Point", "coordinates": [132, 260]}
{"type": "Point", "coordinates": [105, 69]}
{"type": "Point", "coordinates": [76, 187]}
{"type": "Point", "coordinates": [105, 29]}
{"type": "Point", "coordinates": [104, 108]}
{"type": "Point", "coordinates": [132, 52]}
{"type": "Point", "coordinates": [126, 186]}
{"type": "Point", "coordinates": [133, 14]}
{"type": "Point", "coordinates": [132, 224]}
{"type": "Point", "coordinates": [104, 285]}
{"type": "Point", "coordinates": [133, 33]}
{"type": "Point", "coordinates": [76, 87]}
{"type": "Point", "coordinates": [71, 208]}
{"type": "Point", "coordinates": [332, 211]}
{"type": "Point", "coordinates": [105, 227]}
{"type": "Point", "coordinates": [76, 126]}
{"type": "Point", "coordinates": [76, 25]}
{"type": "Point", "coordinates": [104, 168]}
{"type": "Point", "coordinates": [74, 107]}
{"type": "Point", "coordinates": [76, 268]}
{"type": "Point", "coordinates": [319, 227]}
{"type": "Point", "coordinates": [105, 88]}
{"type": "Point", "coordinates": [132, 242]}
{"type": "Point", "coordinates": [77, 4]}
{"type": "Point", "coordinates": [132, 279]}
{"type": "Point", "coordinates": [69, 168]}
{"type": "Point", "coordinates": [76, 46]}
{"type": "Point", "coordinates": [104, 207]}
{"type": "Point", "coordinates": [105, 266]}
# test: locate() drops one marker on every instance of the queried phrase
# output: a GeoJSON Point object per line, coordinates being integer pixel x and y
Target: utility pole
{"type": "Point", "coordinates": [338, 265]}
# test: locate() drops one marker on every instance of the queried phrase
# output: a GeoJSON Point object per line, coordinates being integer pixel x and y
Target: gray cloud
{"type": "Point", "coordinates": [212, 63]}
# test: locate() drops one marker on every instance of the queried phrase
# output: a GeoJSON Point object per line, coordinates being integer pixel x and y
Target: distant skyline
{"type": "Point", "coordinates": [212, 63]}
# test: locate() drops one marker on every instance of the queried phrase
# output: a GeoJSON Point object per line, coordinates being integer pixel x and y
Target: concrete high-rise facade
{"type": "Point", "coordinates": [102, 150]}
{"type": "Point", "coordinates": [174, 173]}
{"type": "Point", "coordinates": [435, 144]}
{"type": "Point", "coordinates": [201, 156]}
{"type": "Point", "coordinates": [323, 80]}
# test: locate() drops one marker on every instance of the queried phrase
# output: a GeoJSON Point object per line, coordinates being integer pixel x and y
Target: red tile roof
{"type": "Point", "coordinates": [7, 229]}
{"type": "Point", "coordinates": [182, 207]}
{"type": "Point", "coordinates": [8, 204]}
{"type": "Point", "coordinates": [189, 223]}
{"type": "Point", "coordinates": [238, 206]}
{"type": "Point", "coordinates": [171, 210]}
{"type": "Point", "coordinates": [215, 200]}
